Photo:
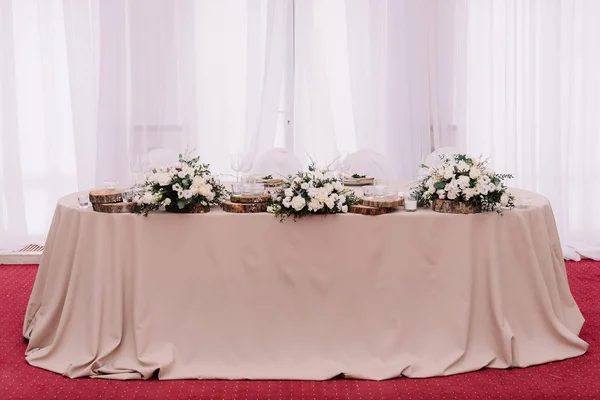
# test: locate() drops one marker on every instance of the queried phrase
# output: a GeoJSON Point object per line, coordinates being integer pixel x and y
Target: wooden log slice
{"type": "Point", "coordinates": [249, 198]}
{"type": "Point", "coordinates": [383, 203]}
{"type": "Point", "coordinates": [366, 210]}
{"type": "Point", "coordinates": [453, 207]}
{"type": "Point", "coordinates": [113, 208]}
{"type": "Point", "coordinates": [194, 208]}
{"type": "Point", "coordinates": [240, 208]}
{"type": "Point", "coordinates": [104, 196]}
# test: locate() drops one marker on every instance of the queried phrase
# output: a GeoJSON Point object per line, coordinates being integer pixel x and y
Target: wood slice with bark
{"type": "Point", "coordinates": [249, 198]}
{"type": "Point", "coordinates": [243, 208]}
{"type": "Point", "coordinates": [383, 203]}
{"type": "Point", "coordinates": [453, 207]}
{"type": "Point", "coordinates": [113, 208]}
{"type": "Point", "coordinates": [104, 196]}
{"type": "Point", "coordinates": [366, 210]}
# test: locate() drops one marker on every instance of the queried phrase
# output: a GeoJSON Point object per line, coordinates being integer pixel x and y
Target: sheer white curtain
{"type": "Point", "coordinates": [378, 75]}
{"type": "Point", "coordinates": [533, 104]}
{"type": "Point", "coordinates": [87, 87]}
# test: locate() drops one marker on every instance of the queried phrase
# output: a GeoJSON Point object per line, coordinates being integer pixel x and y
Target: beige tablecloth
{"type": "Point", "coordinates": [245, 296]}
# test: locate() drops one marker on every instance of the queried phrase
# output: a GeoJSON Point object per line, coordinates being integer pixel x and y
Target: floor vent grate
{"type": "Point", "coordinates": [31, 248]}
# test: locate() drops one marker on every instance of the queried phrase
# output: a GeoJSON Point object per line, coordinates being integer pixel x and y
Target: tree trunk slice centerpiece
{"type": "Point", "coordinates": [195, 208]}
{"type": "Point", "coordinates": [366, 210]}
{"type": "Point", "coordinates": [249, 198]}
{"type": "Point", "coordinates": [383, 203]}
{"type": "Point", "coordinates": [113, 208]}
{"type": "Point", "coordinates": [103, 196]}
{"type": "Point", "coordinates": [453, 207]}
{"type": "Point", "coordinates": [242, 208]}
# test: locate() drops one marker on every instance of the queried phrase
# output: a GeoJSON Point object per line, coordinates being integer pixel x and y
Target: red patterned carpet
{"type": "Point", "coordinates": [571, 379]}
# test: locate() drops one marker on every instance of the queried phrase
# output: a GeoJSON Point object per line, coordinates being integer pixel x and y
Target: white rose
{"type": "Point", "coordinates": [448, 172]}
{"type": "Point", "coordinates": [322, 194]}
{"type": "Point", "coordinates": [182, 174]}
{"type": "Point", "coordinates": [338, 186]}
{"type": "Point", "coordinates": [270, 209]}
{"type": "Point", "coordinates": [198, 181]}
{"type": "Point", "coordinates": [483, 189]}
{"type": "Point", "coordinates": [286, 203]}
{"type": "Point", "coordinates": [187, 194]}
{"type": "Point", "coordinates": [441, 194]}
{"type": "Point", "coordinates": [329, 188]}
{"type": "Point", "coordinates": [475, 173]}
{"type": "Point", "coordinates": [148, 198]}
{"type": "Point", "coordinates": [298, 203]}
{"type": "Point", "coordinates": [205, 190]}
{"type": "Point", "coordinates": [452, 194]}
{"type": "Point", "coordinates": [315, 205]}
{"type": "Point", "coordinates": [462, 166]}
{"type": "Point", "coordinates": [468, 193]}
{"type": "Point", "coordinates": [304, 186]}
{"type": "Point", "coordinates": [167, 201]}
{"type": "Point", "coordinates": [297, 180]}
{"type": "Point", "coordinates": [463, 181]}
{"type": "Point", "coordinates": [504, 200]}
{"type": "Point", "coordinates": [312, 192]}
{"type": "Point", "coordinates": [164, 179]}
{"type": "Point", "coordinates": [330, 203]}
{"type": "Point", "coordinates": [344, 208]}
{"type": "Point", "coordinates": [289, 192]}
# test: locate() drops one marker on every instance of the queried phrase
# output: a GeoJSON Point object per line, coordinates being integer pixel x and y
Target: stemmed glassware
{"type": "Point", "coordinates": [343, 165]}
{"type": "Point", "coordinates": [138, 164]}
{"type": "Point", "coordinates": [236, 161]}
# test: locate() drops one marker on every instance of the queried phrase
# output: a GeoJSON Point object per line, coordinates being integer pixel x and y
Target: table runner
{"type": "Point", "coordinates": [238, 296]}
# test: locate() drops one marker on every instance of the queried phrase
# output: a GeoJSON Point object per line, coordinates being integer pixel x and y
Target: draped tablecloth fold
{"type": "Point", "coordinates": [244, 296]}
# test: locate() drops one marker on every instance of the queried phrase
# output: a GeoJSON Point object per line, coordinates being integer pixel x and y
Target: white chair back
{"type": "Point", "coordinates": [277, 162]}
{"type": "Point", "coordinates": [160, 157]}
{"type": "Point", "coordinates": [434, 159]}
{"type": "Point", "coordinates": [371, 163]}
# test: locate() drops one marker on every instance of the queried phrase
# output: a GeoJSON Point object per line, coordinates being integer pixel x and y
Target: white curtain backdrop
{"type": "Point", "coordinates": [88, 87]}
{"type": "Point", "coordinates": [377, 75]}
{"type": "Point", "coordinates": [533, 104]}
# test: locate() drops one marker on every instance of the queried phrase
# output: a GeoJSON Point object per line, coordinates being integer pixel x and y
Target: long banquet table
{"type": "Point", "coordinates": [238, 296]}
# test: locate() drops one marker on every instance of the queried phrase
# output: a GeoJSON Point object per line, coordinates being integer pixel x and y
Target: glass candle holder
{"type": "Point", "coordinates": [236, 188]}
{"type": "Point", "coordinates": [258, 189]}
{"type": "Point", "coordinates": [368, 192]}
{"type": "Point", "coordinates": [127, 196]}
{"type": "Point", "coordinates": [379, 187]}
{"type": "Point", "coordinates": [84, 201]}
{"type": "Point", "coordinates": [391, 192]}
{"type": "Point", "coordinates": [410, 204]}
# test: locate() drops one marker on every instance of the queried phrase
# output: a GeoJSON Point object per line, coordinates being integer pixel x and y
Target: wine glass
{"type": "Point", "coordinates": [236, 161]}
{"type": "Point", "coordinates": [246, 164]}
{"type": "Point", "coordinates": [138, 164]}
{"type": "Point", "coordinates": [344, 165]}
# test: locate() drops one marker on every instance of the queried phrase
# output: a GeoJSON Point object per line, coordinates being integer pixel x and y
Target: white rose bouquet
{"type": "Point", "coordinates": [180, 188]}
{"type": "Point", "coordinates": [312, 192]}
{"type": "Point", "coordinates": [463, 179]}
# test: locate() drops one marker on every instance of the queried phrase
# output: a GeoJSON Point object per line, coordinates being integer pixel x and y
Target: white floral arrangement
{"type": "Point", "coordinates": [312, 192]}
{"type": "Point", "coordinates": [178, 187]}
{"type": "Point", "coordinates": [461, 178]}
